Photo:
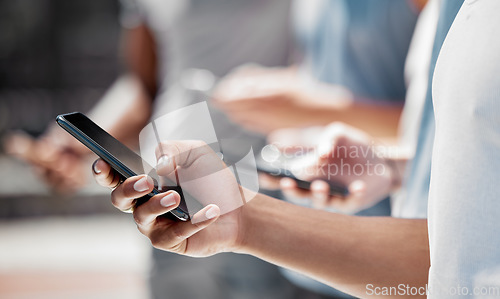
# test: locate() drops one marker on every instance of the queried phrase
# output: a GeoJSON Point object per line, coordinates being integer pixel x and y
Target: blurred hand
{"type": "Point", "coordinates": [213, 229]}
{"type": "Point", "coordinates": [264, 99]}
{"type": "Point", "coordinates": [346, 156]}
{"type": "Point", "coordinates": [56, 157]}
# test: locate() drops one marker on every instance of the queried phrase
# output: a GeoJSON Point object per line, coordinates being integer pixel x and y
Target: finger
{"type": "Point", "coordinates": [134, 187]}
{"type": "Point", "coordinates": [320, 191]}
{"type": "Point", "coordinates": [145, 214]}
{"type": "Point", "coordinates": [355, 201]}
{"type": "Point", "coordinates": [182, 153]}
{"type": "Point", "coordinates": [53, 180]}
{"type": "Point", "coordinates": [289, 188]}
{"type": "Point", "coordinates": [357, 187]}
{"type": "Point", "coordinates": [22, 146]}
{"type": "Point", "coordinates": [104, 174]}
{"type": "Point", "coordinates": [236, 104]}
{"type": "Point", "coordinates": [173, 237]}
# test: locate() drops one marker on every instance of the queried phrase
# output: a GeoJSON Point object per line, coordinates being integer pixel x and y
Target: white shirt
{"type": "Point", "coordinates": [464, 200]}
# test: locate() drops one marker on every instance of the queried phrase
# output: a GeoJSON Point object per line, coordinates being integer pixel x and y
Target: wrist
{"type": "Point", "coordinates": [240, 244]}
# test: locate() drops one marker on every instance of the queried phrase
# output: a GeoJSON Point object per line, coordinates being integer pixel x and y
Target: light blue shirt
{"type": "Point", "coordinates": [418, 174]}
{"type": "Point", "coordinates": [359, 44]}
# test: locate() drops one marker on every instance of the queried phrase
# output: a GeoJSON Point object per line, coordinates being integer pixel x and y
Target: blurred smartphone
{"type": "Point", "coordinates": [266, 168]}
{"type": "Point", "coordinates": [122, 159]}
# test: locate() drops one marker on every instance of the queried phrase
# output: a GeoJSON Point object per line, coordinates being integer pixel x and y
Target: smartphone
{"type": "Point", "coordinates": [122, 159]}
{"type": "Point", "coordinates": [266, 168]}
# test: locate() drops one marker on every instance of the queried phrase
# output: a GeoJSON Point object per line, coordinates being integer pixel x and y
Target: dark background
{"type": "Point", "coordinates": [56, 56]}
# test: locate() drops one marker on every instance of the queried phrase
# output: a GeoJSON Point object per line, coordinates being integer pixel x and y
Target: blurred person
{"type": "Point", "coordinates": [167, 46]}
{"type": "Point", "coordinates": [365, 193]}
{"type": "Point", "coordinates": [412, 200]}
{"type": "Point", "coordinates": [351, 70]}
{"type": "Point", "coordinates": [376, 256]}
{"type": "Point", "coordinates": [363, 119]}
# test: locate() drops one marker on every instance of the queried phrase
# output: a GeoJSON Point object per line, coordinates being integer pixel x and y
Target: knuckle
{"type": "Point", "coordinates": [178, 248]}
{"type": "Point", "coordinates": [160, 149]}
{"type": "Point", "coordinates": [336, 126]}
{"type": "Point", "coordinates": [337, 131]}
{"type": "Point", "coordinates": [164, 144]}
{"type": "Point", "coordinates": [128, 190]}
{"type": "Point", "coordinates": [114, 200]}
{"type": "Point", "coordinates": [198, 143]}
{"type": "Point", "coordinates": [138, 219]}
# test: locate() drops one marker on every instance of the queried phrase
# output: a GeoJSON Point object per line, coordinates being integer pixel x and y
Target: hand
{"type": "Point", "coordinates": [252, 94]}
{"type": "Point", "coordinates": [57, 159]}
{"type": "Point", "coordinates": [346, 156]}
{"type": "Point", "coordinates": [213, 229]}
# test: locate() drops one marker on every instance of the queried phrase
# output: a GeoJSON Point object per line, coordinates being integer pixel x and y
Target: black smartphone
{"type": "Point", "coordinates": [335, 189]}
{"type": "Point", "coordinates": [122, 159]}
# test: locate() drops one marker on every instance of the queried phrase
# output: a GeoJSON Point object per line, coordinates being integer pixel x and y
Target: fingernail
{"type": "Point", "coordinates": [141, 185]}
{"type": "Point", "coordinates": [168, 200]}
{"type": "Point", "coordinates": [212, 213]}
{"type": "Point", "coordinates": [94, 166]}
{"type": "Point", "coordinates": [163, 161]}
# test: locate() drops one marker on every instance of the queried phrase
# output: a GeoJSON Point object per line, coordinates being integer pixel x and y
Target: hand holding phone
{"type": "Point", "coordinates": [266, 168]}
{"type": "Point", "coordinates": [122, 159]}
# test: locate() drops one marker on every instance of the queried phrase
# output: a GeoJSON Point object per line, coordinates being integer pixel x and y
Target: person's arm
{"type": "Point", "coordinates": [123, 112]}
{"type": "Point", "coordinates": [127, 110]}
{"type": "Point", "coordinates": [346, 252]}
{"type": "Point", "coordinates": [347, 156]}
{"type": "Point", "coordinates": [280, 97]}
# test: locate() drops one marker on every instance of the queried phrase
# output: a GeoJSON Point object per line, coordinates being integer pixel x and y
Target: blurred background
{"type": "Point", "coordinates": [305, 61]}
{"type": "Point", "coordinates": [58, 56]}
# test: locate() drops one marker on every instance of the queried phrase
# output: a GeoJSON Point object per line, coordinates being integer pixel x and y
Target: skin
{"type": "Point", "coordinates": [372, 172]}
{"type": "Point", "coordinates": [67, 175]}
{"type": "Point", "coordinates": [375, 250]}
{"type": "Point", "coordinates": [253, 93]}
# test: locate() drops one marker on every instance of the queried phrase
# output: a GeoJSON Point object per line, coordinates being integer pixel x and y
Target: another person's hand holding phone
{"type": "Point", "coordinates": [57, 158]}
{"type": "Point", "coordinates": [347, 156]}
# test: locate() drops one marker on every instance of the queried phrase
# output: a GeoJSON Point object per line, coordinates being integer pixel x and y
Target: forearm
{"type": "Point", "coordinates": [330, 103]}
{"type": "Point", "coordinates": [378, 121]}
{"type": "Point", "coordinates": [346, 252]}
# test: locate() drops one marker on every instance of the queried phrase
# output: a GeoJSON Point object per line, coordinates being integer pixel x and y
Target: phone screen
{"type": "Point", "coordinates": [122, 159]}
{"type": "Point", "coordinates": [108, 143]}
